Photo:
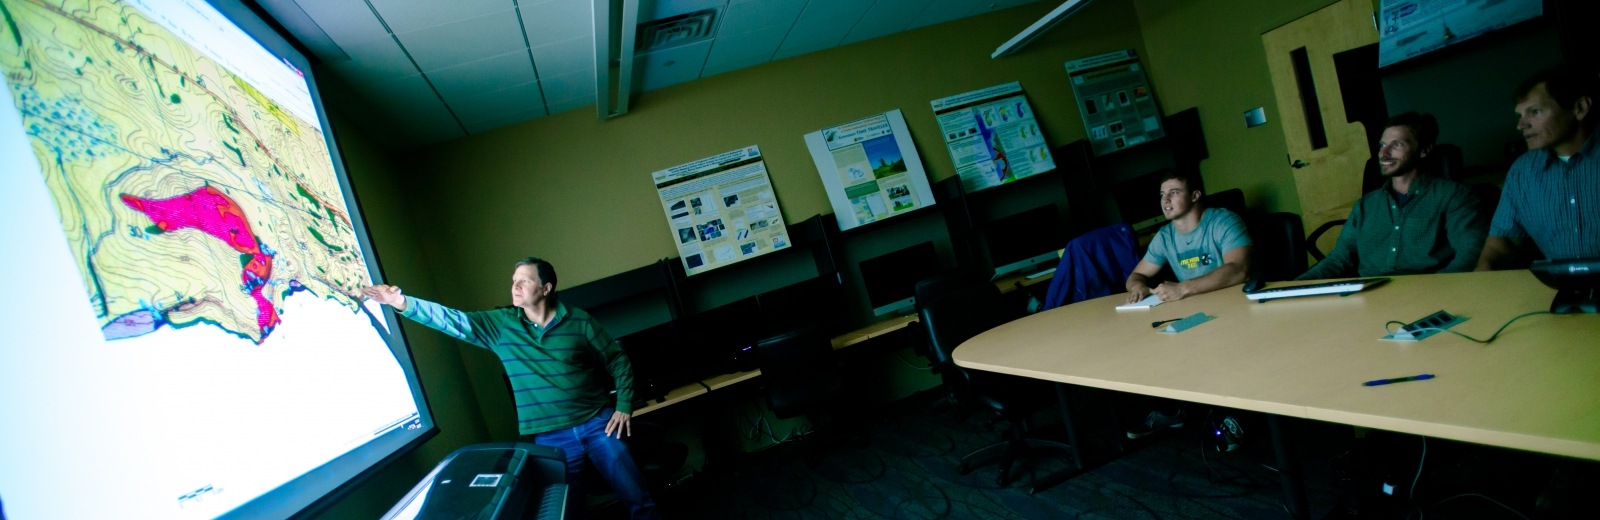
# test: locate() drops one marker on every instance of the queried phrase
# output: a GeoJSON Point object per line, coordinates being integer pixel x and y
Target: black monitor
{"type": "Point", "coordinates": [716, 339]}
{"type": "Point", "coordinates": [891, 279]}
{"type": "Point", "coordinates": [1576, 281]}
{"type": "Point", "coordinates": [1139, 199]}
{"type": "Point", "coordinates": [1026, 241]}
{"type": "Point", "coordinates": [812, 303]}
{"type": "Point", "coordinates": [658, 360]}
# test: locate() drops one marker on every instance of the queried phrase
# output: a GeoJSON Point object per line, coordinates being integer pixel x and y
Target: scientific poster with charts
{"type": "Point", "coordinates": [992, 136]}
{"type": "Point", "coordinates": [1114, 97]}
{"type": "Point", "coordinates": [870, 169]}
{"type": "Point", "coordinates": [721, 209]}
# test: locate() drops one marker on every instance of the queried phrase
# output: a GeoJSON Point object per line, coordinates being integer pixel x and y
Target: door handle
{"type": "Point", "coordinates": [1298, 164]}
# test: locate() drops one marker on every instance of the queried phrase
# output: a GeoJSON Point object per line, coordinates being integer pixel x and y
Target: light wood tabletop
{"type": "Point", "coordinates": [1535, 388]}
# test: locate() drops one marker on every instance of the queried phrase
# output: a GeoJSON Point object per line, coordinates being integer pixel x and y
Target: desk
{"type": "Point", "coordinates": [1537, 388]}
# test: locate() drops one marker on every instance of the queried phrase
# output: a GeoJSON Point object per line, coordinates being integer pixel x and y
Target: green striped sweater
{"type": "Point", "coordinates": [561, 374]}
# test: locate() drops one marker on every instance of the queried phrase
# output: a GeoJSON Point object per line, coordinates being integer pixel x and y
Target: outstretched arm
{"type": "Point", "coordinates": [387, 295]}
{"type": "Point", "coordinates": [472, 327]}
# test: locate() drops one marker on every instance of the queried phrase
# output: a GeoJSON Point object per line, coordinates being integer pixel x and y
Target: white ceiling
{"type": "Point", "coordinates": [440, 70]}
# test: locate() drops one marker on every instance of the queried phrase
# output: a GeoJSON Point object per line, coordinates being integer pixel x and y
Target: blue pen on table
{"type": "Point", "coordinates": [1378, 382]}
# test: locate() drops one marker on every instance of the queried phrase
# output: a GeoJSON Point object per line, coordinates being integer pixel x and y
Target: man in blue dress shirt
{"type": "Point", "coordinates": [1552, 193]}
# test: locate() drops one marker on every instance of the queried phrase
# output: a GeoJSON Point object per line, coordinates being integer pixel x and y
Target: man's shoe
{"type": "Point", "coordinates": [1155, 422]}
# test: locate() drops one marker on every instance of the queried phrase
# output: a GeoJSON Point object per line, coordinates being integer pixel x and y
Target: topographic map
{"type": "Point", "coordinates": [187, 196]}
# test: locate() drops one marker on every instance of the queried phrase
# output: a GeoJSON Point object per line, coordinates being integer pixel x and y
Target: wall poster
{"type": "Point", "coordinates": [721, 209]}
{"type": "Point", "coordinates": [992, 136]}
{"type": "Point", "coordinates": [1118, 108]}
{"type": "Point", "coordinates": [870, 169]}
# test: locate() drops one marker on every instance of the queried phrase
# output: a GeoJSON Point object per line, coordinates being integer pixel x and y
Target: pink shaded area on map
{"type": "Point", "coordinates": [209, 210]}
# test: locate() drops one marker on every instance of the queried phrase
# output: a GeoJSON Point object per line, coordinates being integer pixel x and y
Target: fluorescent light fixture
{"type": "Point", "coordinates": [1044, 25]}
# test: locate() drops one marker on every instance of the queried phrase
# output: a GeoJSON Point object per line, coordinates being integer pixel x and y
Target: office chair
{"type": "Point", "coordinates": [1280, 246]}
{"type": "Point", "coordinates": [799, 373]}
{"type": "Point", "coordinates": [958, 316]}
{"type": "Point", "coordinates": [1231, 200]}
{"type": "Point", "coordinates": [929, 290]}
{"type": "Point", "coordinates": [657, 457]}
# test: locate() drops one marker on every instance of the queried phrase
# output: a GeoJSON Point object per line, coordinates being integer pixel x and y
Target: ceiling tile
{"type": "Point", "coordinates": [566, 87]}
{"type": "Point", "coordinates": [412, 104]}
{"type": "Point", "coordinates": [751, 15]}
{"type": "Point", "coordinates": [411, 15]}
{"type": "Point", "coordinates": [551, 22]}
{"type": "Point", "coordinates": [823, 24]}
{"type": "Point", "coordinates": [941, 11]}
{"type": "Point", "coordinates": [374, 60]}
{"type": "Point", "coordinates": [485, 75]}
{"type": "Point", "coordinates": [558, 107]}
{"type": "Point", "coordinates": [564, 57]}
{"type": "Point", "coordinates": [835, 8]}
{"type": "Point", "coordinates": [525, 101]}
{"type": "Point", "coordinates": [344, 21]}
{"type": "Point", "coordinates": [459, 42]}
{"type": "Point", "coordinates": [658, 9]}
{"type": "Point", "coordinates": [884, 18]}
{"type": "Point", "coordinates": [672, 66]}
{"type": "Point", "coordinates": [731, 52]}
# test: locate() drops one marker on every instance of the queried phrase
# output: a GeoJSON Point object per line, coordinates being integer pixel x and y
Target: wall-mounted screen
{"type": "Point", "coordinates": [1411, 28]}
{"type": "Point", "coordinates": [992, 136]}
{"type": "Point", "coordinates": [721, 209]}
{"type": "Point", "coordinates": [180, 336]}
{"type": "Point", "coordinates": [891, 279]}
{"type": "Point", "coordinates": [870, 169]}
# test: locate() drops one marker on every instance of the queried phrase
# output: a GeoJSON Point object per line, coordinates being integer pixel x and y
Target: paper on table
{"type": "Point", "coordinates": [1147, 302]}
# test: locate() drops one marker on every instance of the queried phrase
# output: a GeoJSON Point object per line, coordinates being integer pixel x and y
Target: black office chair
{"type": "Point", "coordinates": [1280, 246]}
{"type": "Point", "coordinates": [958, 316]}
{"type": "Point", "coordinates": [1230, 199]}
{"type": "Point", "coordinates": [800, 375]}
{"type": "Point", "coordinates": [658, 458]}
{"type": "Point", "coordinates": [929, 290]}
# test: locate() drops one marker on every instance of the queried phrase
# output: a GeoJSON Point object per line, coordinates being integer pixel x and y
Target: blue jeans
{"type": "Point", "coordinates": [610, 457]}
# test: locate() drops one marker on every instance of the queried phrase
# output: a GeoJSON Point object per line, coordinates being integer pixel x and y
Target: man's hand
{"type": "Point", "coordinates": [619, 423]}
{"type": "Point", "coordinates": [387, 295]}
{"type": "Point", "coordinates": [1171, 292]}
{"type": "Point", "coordinates": [1138, 291]}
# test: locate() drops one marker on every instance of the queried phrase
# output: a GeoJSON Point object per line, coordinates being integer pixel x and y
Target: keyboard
{"type": "Point", "coordinates": [1342, 287]}
{"type": "Point", "coordinates": [1041, 274]}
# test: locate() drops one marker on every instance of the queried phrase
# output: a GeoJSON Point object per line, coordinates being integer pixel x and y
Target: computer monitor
{"type": "Point", "coordinates": [1139, 199]}
{"type": "Point", "coordinates": [1576, 281]}
{"type": "Point", "coordinates": [891, 279]}
{"type": "Point", "coordinates": [817, 302]}
{"type": "Point", "coordinates": [1025, 242]}
{"type": "Point", "coordinates": [184, 336]}
{"type": "Point", "coordinates": [657, 357]}
{"type": "Point", "coordinates": [719, 339]}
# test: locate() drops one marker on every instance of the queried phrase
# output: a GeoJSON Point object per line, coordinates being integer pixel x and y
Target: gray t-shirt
{"type": "Point", "coordinates": [1198, 252]}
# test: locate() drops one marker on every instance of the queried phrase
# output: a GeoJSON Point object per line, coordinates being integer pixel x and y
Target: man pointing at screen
{"type": "Point", "coordinates": [562, 366]}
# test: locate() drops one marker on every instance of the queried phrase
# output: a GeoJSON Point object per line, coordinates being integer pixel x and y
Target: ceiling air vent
{"type": "Point", "coordinates": [676, 30]}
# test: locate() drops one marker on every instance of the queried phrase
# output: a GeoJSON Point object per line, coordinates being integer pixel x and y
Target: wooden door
{"type": "Point", "coordinates": [1326, 153]}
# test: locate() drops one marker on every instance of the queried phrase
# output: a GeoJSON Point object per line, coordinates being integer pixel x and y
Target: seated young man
{"type": "Point", "coordinates": [1207, 248]}
{"type": "Point", "coordinates": [1416, 223]}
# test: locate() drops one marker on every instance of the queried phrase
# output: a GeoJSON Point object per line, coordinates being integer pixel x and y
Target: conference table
{"type": "Point", "coordinates": [1535, 388]}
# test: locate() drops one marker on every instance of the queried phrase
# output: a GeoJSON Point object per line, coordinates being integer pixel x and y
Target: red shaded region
{"type": "Point", "coordinates": [209, 210]}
